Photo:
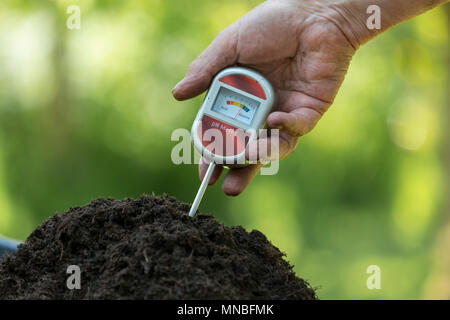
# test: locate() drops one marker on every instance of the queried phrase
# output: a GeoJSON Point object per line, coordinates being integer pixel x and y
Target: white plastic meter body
{"type": "Point", "coordinates": [235, 107]}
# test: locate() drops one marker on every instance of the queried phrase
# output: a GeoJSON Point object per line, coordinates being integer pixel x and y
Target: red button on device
{"type": "Point", "coordinates": [245, 83]}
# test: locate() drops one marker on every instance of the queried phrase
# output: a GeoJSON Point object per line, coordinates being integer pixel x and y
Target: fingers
{"type": "Point", "coordinates": [298, 112]}
{"type": "Point", "coordinates": [203, 166]}
{"type": "Point", "coordinates": [297, 122]}
{"type": "Point", "coordinates": [219, 54]}
{"type": "Point", "coordinates": [274, 147]}
{"type": "Point", "coordinates": [261, 150]}
{"type": "Point", "coordinates": [238, 179]}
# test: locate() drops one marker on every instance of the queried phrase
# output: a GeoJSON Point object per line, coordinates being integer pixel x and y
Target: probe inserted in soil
{"type": "Point", "coordinates": [202, 189]}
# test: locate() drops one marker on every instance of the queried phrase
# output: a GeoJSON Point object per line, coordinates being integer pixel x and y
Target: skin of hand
{"type": "Point", "coordinates": [303, 48]}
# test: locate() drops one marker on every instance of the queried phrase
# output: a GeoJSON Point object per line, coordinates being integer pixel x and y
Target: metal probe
{"type": "Point", "coordinates": [202, 189]}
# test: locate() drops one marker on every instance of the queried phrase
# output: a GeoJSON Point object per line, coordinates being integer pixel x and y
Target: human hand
{"type": "Point", "coordinates": [299, 48]}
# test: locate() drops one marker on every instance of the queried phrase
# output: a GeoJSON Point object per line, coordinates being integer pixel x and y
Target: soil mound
{"type": "Point", "coordinates": [147, 248]}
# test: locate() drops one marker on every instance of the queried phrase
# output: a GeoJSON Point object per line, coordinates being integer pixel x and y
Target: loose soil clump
{"type": "Point", "coordinates": [147, 248]}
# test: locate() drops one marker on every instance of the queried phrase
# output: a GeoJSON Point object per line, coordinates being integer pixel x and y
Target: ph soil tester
{"type": "Point", "coordinates": [235, 107]}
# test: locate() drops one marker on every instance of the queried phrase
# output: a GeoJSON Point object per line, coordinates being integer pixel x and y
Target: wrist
{"type": "Point", "coordinates": [347, 19]}
{"type": "Point", "coordinates": [352, 16]}
{"type": "Point", "coordinates": [336, 11]}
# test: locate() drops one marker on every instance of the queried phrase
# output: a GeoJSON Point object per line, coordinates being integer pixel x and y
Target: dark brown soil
{"type": "Point", "coordinates": [148, 248]}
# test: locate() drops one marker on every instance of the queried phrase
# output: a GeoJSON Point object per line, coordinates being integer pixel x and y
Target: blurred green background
{"type": "Point", "coordinates": [88, 113]}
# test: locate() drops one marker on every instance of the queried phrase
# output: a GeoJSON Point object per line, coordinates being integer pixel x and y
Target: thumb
{"type": "Point", "coordinates": [219, 54]}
